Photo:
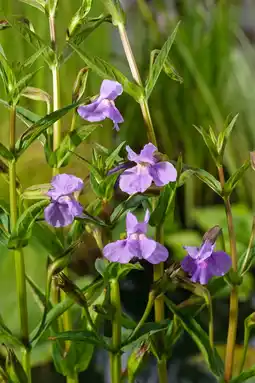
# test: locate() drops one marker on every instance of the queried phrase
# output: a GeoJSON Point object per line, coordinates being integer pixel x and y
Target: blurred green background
{"type": "Point", "coordinates": [215, 56]}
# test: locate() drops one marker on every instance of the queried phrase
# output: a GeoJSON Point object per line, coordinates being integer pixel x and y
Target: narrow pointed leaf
{"type": "Point", "coordinates": [39, 4]}
{"type": "Point", "coordinates": [35, 41]}
{"type": "Point", "coordinates": [78, 38]}
{"type": "Point", "coordinates": [200, 337]}
{"type": "Point", "coordinates": [7, 75]}
{"type": "Point", "coordinates": [159, 63]}
{"type": "Point", "coordinates": [208, 179]}
{"type": "Point", "coordinates": [79, 17]}
{"type": "Point", "coordinates": [114, 156]}
{"type": "Point", "coordinates": [23, 229]}
{"type": "Point", "coordinates": [79, 336]}
{"type": "Point", "coordinates": [38, 294]}
{"type": "Point", "coordinates": [5, 153]}
{"type": "Point", "coordinates": [107, 71]}
{"type": "Point", "coordinates": [131, 203]}
{"type": "Point", "coordinates": [232, 182]}
{"type": "Point", "coordinates": [71, 141]}
{"type": "Point", "coordinates": [32, 133]}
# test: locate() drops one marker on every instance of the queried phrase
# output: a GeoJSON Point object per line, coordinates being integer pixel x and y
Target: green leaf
{"type": "Point", "coordinates": [5, 153]}
{"type": "Point", "coordinates": [80, 84]}
{"type": "Point", "coordinates": [168, 68]}
{"type": "Point", "coordinates": [8, 338]}
{"type": "Point", "coordinates": [131, 203]}
{"type": "Point", "coordinates": [164, 201]}
{"type": "Point", "coordinates": [39, 4]}
{"type": "Point", "coordinates": [136, 360]}
{"type": "Point", "coordinates": [159, 63]}
{"type": "Point", "coordinates": [14, 368]}
{"type": "Point", "coordinates": [107, 71]}
{"type": "Point", "coordinates": [232, 182]}
{"type": "Point", "coordinates": [200, 337]}
{"type": "Point", "coordinates": [35, 41]}
{"type": "Point", "coordinates": [36, 192]}
{"type": "Point", "coordinates": [79, 336]}
{"type": "Point", "coordinates": [93, 292]}
{"type": "Point", "coordinates": [145, 332]}
{"type": "Point", "coordinates": [225, 134]}
{"type": "Point", "coordinates": [208, 179]}
{"type": "Point", "coordinates": [71, 141]}
{"type": "Point", "coordinates": [79, 17]}
{"type": "Point", "coordinates": [21, 85]}
{"type": "Point", "coordinates": [24, 115]}
{"type": "Point", "coordinates": [115, 270]}
{"type": "Point", "coordinates": [22, 231]}
{"type": "Point", "coordinates": [7, 75]}
{"type": "Point", "coordinates": [244, 376]}
{"type": "Point", "coordinates": [38, 294]}
{"type": "Point", "coordinates": [114, 156]}
{"type": "Point", "coordinates": [78, 38]}
{"type": "Point", "coordinates": [208, 139]}
{"type": "Point", "coordinates": [33, 132]}
{"type": "Point", "coordinates": [37, 94]}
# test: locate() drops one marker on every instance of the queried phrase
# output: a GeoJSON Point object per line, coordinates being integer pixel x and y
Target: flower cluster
{"type": "Point", "coordinates": [201, 263]}
{"type": "Point", "coordinates": [136, 245]}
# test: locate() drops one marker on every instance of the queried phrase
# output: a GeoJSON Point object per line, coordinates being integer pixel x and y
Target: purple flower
{"type": "Point", "coordinates": [202, 263]}
{"type": "Point", "coordinates": [63, 207]}
{"type": "Point", "coordinates": [104, 107]}
{"type": "Point", "coordinates": [148, 170]}
{"type": "Point", "coordinates": [137, 245]}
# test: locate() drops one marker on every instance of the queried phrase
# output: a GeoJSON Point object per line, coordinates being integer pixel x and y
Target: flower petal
{"type": "Point", "coordinates": [131, 222]}
{"type": "Point", "coordinates": [205, 250]}
{"type": "Point", "coordinates": [58, 215]}
{"type": "Point", "coordinates": [192, 251]}
{"type": "Point", "coordinates": [146, 154]}
{"type": "Point", "coordinates": [163, 173]}
{"type": "Point", "coordinates": [75, 208]}
{"type": "Point", "coordinates": [201, 275]}
{"type": "Point", "coordinates": [188, 264]}
{"type": "Point", "coordinates": [64, 184]}
{"type": "Point", "coordinates": [132, 156]}
{"type": "Point", "coordinates": [86, 111]}
{"type": "Point", "coordinates": [160, 254]}
{"type": "Point", "coordinates": [135, 180]}
{"type": "Point", "coordinates": [118, 252]}
{"type": "Point", "coordinates": [219, 263]}
{"type": "Point", "coordinates": [110, 89]}
{"type": "Point", "coordinates": [110, 111]}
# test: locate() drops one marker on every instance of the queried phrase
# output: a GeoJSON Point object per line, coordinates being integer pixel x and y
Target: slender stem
{"type": "Point", "coordinates": [18, 253]}
{"type": "Point", "coordinates": [146, 313]}
{"type": "Point", "coordinates": [116, 332]}
{"type": "Point", "coordinates": [233, 309]}
{"type": "Point", "coordinates": [73, 121]}
{"type": "Point", "coordinates": [136, 75]}
{"type": "Point", "coordinates": [55, 89]}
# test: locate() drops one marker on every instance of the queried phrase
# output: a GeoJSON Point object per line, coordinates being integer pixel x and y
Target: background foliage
{"type": "Point", "coordinates": [214, 56]}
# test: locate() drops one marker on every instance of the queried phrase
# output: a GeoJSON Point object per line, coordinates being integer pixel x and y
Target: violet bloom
{"type": "Point", "coordinates": [104, 107]}
{"type": "Point", "coordinates": [148, 170]}
{"type": "Point", "coordinates": [137, 245]}
{"type": "Point", "coordinates": [202, 263]}
{"type": "Point", "coordinates": [63, 207]}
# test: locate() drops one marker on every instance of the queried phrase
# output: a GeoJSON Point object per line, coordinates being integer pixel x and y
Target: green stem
{"type": "Point", "coordinates": [116, 332]}
{"type": "Point", "coordinates": [146, 313]}
{"type": "Point", "coordinates": [136, 75]}
{"type": "Point", "coordinates": [75, 379]}
{"type": "Point", "coordinates": [233, 309]}
{"type": "Point", "coordinates": [18, 253]}
{"type": "Point", "coordinates": [55, 89]}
